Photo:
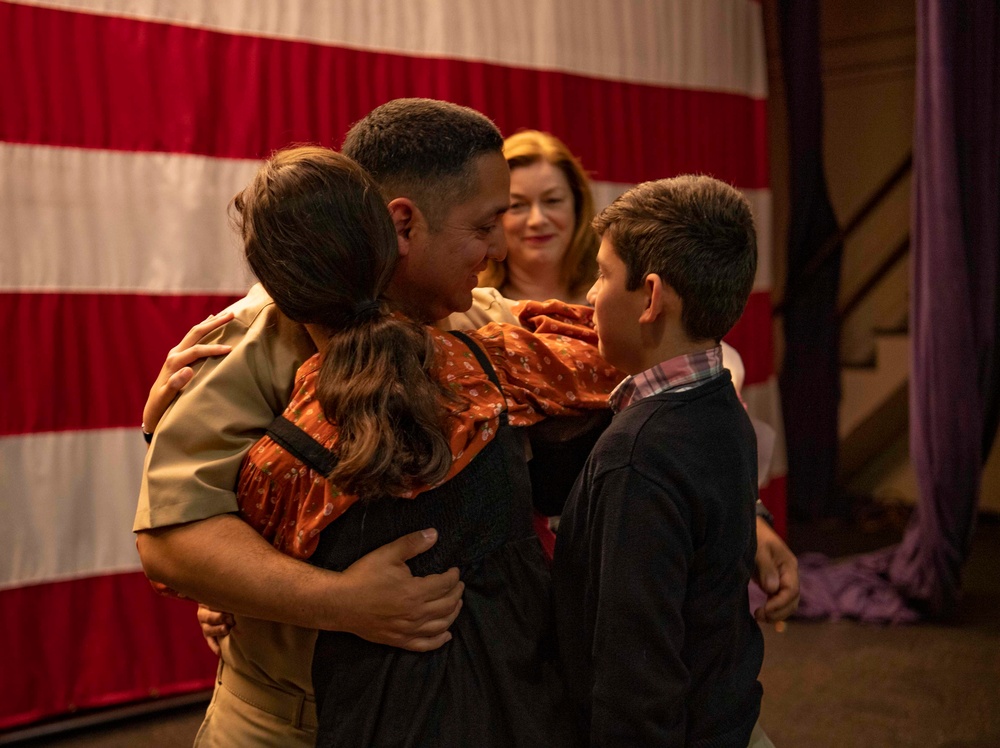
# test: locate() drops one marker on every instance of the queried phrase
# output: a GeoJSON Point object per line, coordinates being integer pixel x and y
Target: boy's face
{"type": "Point", "coordinates": [617, 311]}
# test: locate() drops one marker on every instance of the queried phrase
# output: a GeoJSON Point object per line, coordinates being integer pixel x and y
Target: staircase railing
{"type": "Point", "coordinates": [829, 247]}
{"type": "Point", "coordinates": [901, 250]}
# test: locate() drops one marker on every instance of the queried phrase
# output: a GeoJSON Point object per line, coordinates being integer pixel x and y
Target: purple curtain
{"type": "Point", "coordinates": [810, 375]}
{"type": "Point", "coordinates": [954, 319]}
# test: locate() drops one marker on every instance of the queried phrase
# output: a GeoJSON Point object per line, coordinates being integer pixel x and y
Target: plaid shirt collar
{"type": "Point", "coordinates": [675, 375]}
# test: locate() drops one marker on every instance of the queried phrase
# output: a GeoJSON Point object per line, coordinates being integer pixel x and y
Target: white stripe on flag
{"type": "Point", "coordinates": [662, 43]}
{"type": "Point", "coordinates": [109, 221]}
{"type": "Point", "coordinates": [86, 220]}
{"type": "Point", "coordinates": [71, 499]}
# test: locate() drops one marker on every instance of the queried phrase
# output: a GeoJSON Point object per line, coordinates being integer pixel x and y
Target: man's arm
{"type": "Point", "coordinates": [776, 572]}
{"type": "Point", "coordinates": [222, 561]}
{"type": "Point", "coordinates": [190, 539]}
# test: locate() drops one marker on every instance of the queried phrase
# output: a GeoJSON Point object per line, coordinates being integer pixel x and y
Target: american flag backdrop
{"type": "Point", "coordinates": [125, 128]}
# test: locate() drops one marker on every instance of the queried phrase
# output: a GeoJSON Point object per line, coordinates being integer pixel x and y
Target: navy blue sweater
{"type": "Point", "coordinates": [653, 557]}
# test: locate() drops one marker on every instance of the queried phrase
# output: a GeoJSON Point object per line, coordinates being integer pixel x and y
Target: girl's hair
{"type": "Point", "coordinates": [579, 264]}
{"type": "Point", "coordinates": [318, 236]}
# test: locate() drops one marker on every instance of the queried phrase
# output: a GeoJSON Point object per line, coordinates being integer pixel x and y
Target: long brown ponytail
{"type": "Point", "coordinates": [318, 236]}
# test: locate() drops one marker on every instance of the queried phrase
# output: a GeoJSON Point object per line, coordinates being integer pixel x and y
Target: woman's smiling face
{"type": "Point", "coordinates": [540, 222]}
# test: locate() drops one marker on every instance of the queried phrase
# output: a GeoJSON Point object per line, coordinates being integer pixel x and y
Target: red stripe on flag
{"type": "Point", "coordinates": [751, 337]}
{"type": "Point", "coordinates": [91, 81]}
{"type": "Point", "coordinates": [63, 647]}
{"type": "Point", "coordinates": [85, 361]}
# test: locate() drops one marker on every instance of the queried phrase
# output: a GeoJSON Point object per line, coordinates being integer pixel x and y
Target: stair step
{"type": "Point", "coordinates": [865, 389]}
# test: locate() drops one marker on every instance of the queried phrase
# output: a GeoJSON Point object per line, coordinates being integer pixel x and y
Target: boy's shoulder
{"type": "Point", "coordinates": [663, 433]}
{"type": "Point", "coordinates": [663, 415]}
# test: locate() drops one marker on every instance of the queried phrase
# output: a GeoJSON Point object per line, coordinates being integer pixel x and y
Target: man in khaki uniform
{"type": "Point", "coordinates": [446, 202]}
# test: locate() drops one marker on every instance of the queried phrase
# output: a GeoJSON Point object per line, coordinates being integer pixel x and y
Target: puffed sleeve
{"type": "Point", "coordinates": [552, 366]}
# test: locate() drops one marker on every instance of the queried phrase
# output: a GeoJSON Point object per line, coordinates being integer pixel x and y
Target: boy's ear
{"type": "Point", "coordinates": [406, 217]}
{"type": "Point", "coordinates": [660, 298]}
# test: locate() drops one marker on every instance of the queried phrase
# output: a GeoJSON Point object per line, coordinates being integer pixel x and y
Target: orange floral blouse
{"type": "Point", "coordinates": [550, 367]}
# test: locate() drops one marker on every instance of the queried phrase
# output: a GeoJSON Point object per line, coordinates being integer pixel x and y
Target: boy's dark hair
{"type": "Point", "coordinates": [423, 149]}
{"type": "Point", "coordinates": [697, 234]}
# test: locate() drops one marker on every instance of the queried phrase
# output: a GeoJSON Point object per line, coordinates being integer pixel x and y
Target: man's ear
{"type": "Point", "coordinates": [405, 217]}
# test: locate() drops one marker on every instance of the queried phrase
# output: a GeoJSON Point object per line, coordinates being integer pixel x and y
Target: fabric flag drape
{"type": "Point", "coordinates": [126, 126]}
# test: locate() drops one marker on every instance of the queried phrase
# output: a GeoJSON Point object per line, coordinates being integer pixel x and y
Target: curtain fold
{"type": "Point", "coordinates": [810, 375]}
{"type": "Point", "coordinates": [955, 379]}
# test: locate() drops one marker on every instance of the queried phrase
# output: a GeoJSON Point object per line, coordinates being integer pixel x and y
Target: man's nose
{"type": "Point", "coordinates": [497, 249]}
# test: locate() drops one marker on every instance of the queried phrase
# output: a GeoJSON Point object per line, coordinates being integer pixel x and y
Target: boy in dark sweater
{"type": "Point", "coordinates": [656, 544]}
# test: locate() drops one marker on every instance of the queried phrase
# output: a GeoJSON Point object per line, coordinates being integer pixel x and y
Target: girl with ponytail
{"type": "Point", "coordinates": [395, 426]}
{"type": "Point", "coordinates": [317, 235]}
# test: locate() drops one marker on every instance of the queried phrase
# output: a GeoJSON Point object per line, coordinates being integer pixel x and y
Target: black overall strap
{"type": "Point", "coordinates": [322, 460]}
{"type": "Point", "coordinates": [482, 358]}
{"type": "Point", "coordinates": [303, 446]}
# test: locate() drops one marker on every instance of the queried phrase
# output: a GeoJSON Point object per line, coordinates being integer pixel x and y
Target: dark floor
{"type": "Point", "coordinates": [841, 685]}
{"type": "Point", "coordinates": [826, 685]}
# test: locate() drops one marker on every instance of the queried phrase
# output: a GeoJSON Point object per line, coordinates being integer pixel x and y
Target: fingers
{"type": "Point", "coordinates": [215, 624]}
{"type": "Point", "coordinates": [214, 632]}
{"type": "Point", "coordinates": [203, 328]}
{"type": "Point", "coordinates": [440, 612]}
{"type": "Point", "coordinates": [214, 645]}
{"type": "Point", "coordinates": [403, 549]}
{"type": "Point", "coordinates": [433, 633]}
{"type": "Point", "coordinates": [779, 607]}
{"type": "Point", "coordinates": [766, 570]}
{"type": "Point", "coordinates": [183, 357]}
{"type": "Point", "coordinates": [446, 585]}
{"type": "Point", "coordinates": [426, 644]}
{"type": "Point", "coordinates": [785, 600]}
{"type": "Point", "coordinates": [772, 554]}
{"type": "Point", "coordinates": [179, 379]}
{"type": "Point", "coordinates": [766, 573]}
{"type": "Point", "coordinates": [207, 616]}
{"type": "Point", "coordinates": [176, 372]}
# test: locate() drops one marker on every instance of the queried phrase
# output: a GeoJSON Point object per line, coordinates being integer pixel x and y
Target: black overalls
{"type": "Point", "coordinates": [494, 683]}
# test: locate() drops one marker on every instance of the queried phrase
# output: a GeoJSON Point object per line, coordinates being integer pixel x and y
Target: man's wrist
{"type": "Point", "coordinates": [763, 512]}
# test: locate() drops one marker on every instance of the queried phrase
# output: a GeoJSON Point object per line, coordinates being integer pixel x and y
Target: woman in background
{"type": "Point", "coordinates": [551, 249]}
{"type": "Point", "coordinates": [551, 254]}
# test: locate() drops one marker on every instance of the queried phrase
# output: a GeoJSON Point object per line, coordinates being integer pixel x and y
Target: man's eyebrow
{"type": "Point", "coordinates": [494, 212]}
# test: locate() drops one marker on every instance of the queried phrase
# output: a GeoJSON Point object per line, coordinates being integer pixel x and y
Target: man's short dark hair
{"type": "Point", "coordinates": [423, 149]}
{"type": "Point", "coordinates": [697, 234]}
